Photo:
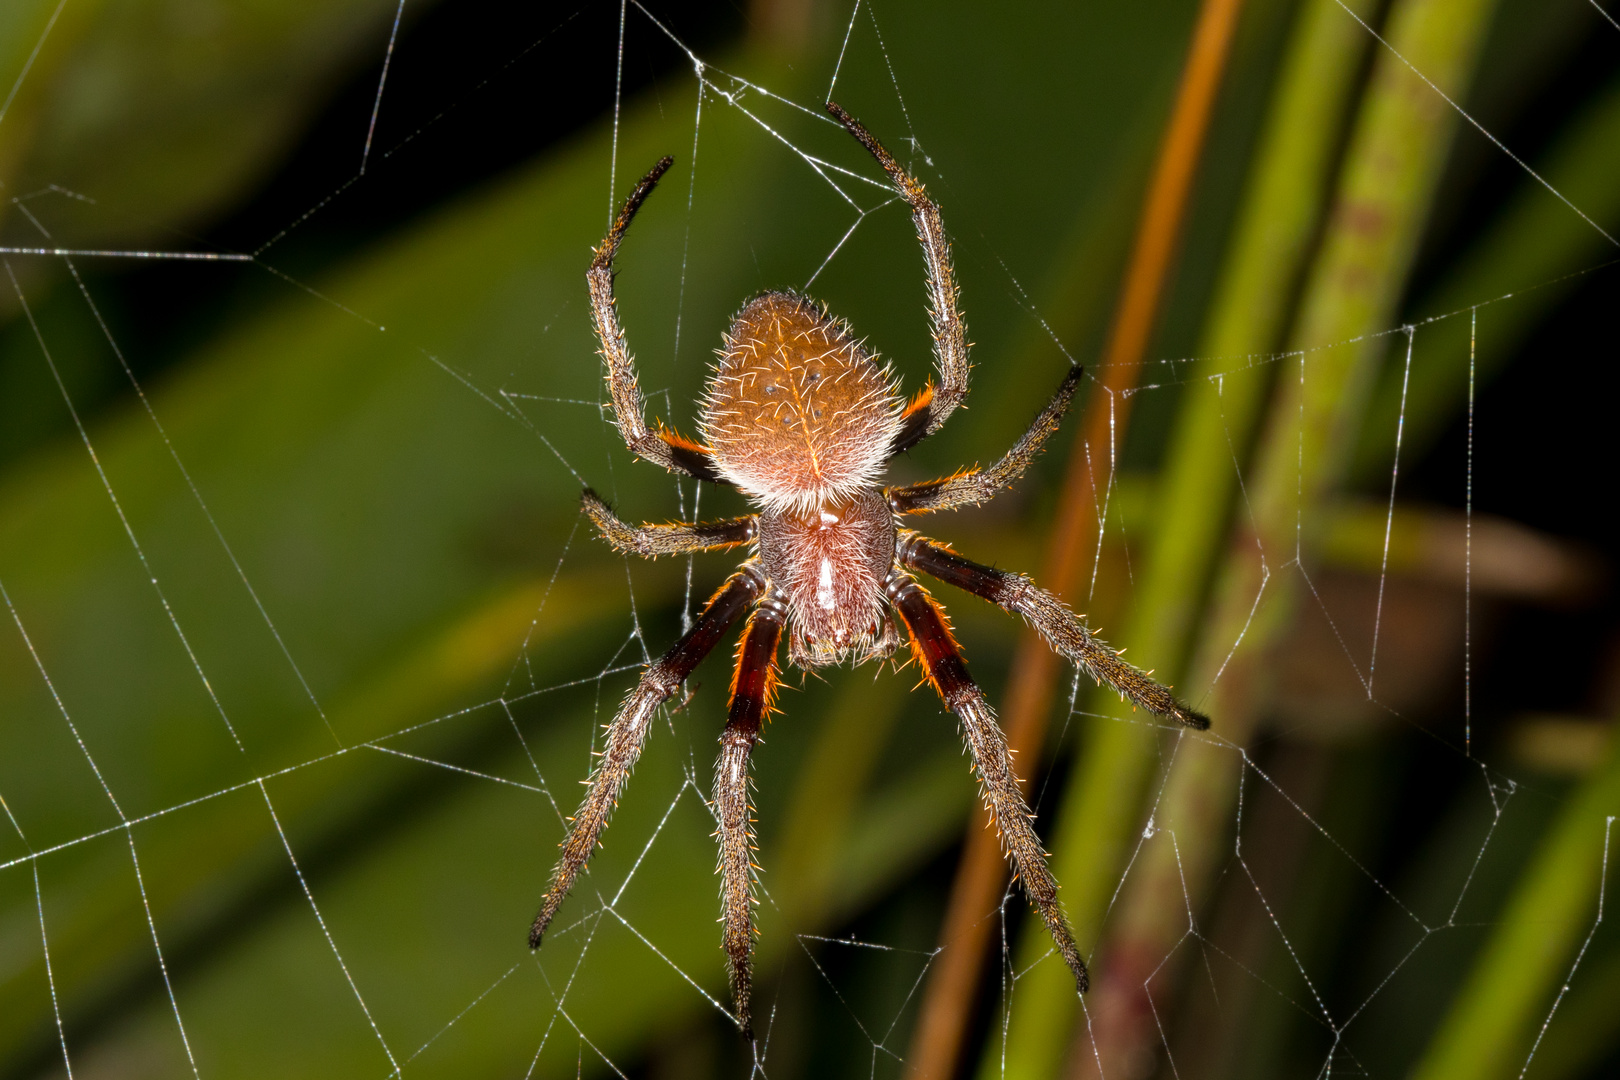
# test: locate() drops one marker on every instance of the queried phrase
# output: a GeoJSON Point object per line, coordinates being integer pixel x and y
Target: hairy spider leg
{"type": "Point", "coordinates": [676, 538]}
{"type": "Point", "coordinates": [628, 732]}
{"type": "Point", "coordinates": [933, 404]}
{"type": "Point", "coordinates": [666, 448]}
{"type": "Point", "coordinates": [753, 687]}
{"type": "Point", "coordinates": [941, 660]}
{"type": "Point", "coordinates": [1051, 618]}
{"type": "Point", "coordinates": [970, 487]}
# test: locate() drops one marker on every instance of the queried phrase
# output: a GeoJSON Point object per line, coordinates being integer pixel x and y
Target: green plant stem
{"type": "Point", "coordinates": [1397, 148]}
{"type": "Point", "coordinates": [1280, 211]}
{"type": "Point", "coordinates": [1492, 1026]}
{"type": "Point", "coordinates": [936, 1042]}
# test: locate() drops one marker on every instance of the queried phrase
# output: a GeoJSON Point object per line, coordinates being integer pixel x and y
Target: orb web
{"type": "Point", "coordinates": [287, 815]}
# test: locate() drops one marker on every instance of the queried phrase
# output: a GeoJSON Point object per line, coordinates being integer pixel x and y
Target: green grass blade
{"type": "Point", "coordinates": [1282, 205]}
{"type": "Point", "coordinates": [1392, 165]}
{"type": "Point", "coordinates": [161, 117]}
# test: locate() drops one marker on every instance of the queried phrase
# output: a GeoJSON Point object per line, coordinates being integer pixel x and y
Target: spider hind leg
{"type": "Point", "coordinates": [752, 687]}
{"type": "Point", "coordinates": [1050, 617]}
{"type": "Point", "coordinates": [941, 660]}
{"type": "Point", "coordinates": [628, 733]}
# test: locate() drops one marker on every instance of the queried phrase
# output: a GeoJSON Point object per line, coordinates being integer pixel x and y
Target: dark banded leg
{"type": "Point", "coordinates": [974, 486]}
{"type": "Point", "coordinates": [1052, 619]}
{"type": "Point", "coordinates": [629, 410]}
{"type": "Point", "coordinates": [929, 410]}
{"type": "Point", "coordinates": [651, 541]}
{"type": "Point", "coordinates": [936, 650]}
{"type": "Point", "coordinates": [628, 732]}
{"type": "Point", "coordinates": [752, 688]}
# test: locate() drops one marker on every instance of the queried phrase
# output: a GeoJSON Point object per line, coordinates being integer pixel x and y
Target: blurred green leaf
{"type": "Point", "coordinates": [164, 111]}
{"type": "Point", "coordinates": [1380, 204]}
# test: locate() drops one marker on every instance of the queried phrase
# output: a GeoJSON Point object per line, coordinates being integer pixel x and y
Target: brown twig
{"type": "Point", "coordinates": [937, 1041]}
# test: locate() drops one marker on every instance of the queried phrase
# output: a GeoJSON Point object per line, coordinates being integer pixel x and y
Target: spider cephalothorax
{"type": "Point", "coordinates": [801, 419]}
{"type": "Point", "coordinates": [830, 565]}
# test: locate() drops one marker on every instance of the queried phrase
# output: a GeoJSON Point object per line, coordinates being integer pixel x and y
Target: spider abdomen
{"type": "Point", "coordinates": [830, 563]}
{"type": "Point", "coordinates": [797, 413]}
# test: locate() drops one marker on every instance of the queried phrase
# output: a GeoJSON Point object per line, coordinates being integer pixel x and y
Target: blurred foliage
{"type": "Point", "coordinates": [185, 102]}
{"type": "Point", "coordinates": [313, 644]}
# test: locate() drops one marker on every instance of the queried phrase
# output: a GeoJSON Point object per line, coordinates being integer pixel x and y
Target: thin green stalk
{"type": "Point", "coordinates": [1392, 166]}
{"type": "Point", "coordinates": [1281, 209]}
{"type": "Point", "coordinates": [1492, 1028]}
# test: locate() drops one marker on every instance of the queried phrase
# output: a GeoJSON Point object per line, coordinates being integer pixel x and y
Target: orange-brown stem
{"type": "Point", "coordinates": [937, 1042]}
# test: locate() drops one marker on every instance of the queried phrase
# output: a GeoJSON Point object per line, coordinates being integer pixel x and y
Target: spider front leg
{"type": "Point", "coordinates": [941, 659]}
{"type": "Point", "coordinates": [628, 732]}
{"type": "Point", "coordinates": [929, 410]}
{"type": "Point", "coordinates": [975, 486]}
{"type": "Point", "coordinates": [629, 409]}
{"type": "Point", "coordinates": [753, 686]}
{"type": "Point", "coordinates": [651, 541]}
{"type": "Point", "coordinates": [1051, 618]}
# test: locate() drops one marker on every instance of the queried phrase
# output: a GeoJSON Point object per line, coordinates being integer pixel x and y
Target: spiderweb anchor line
{"type": "Point", "coordinates": [1468, 544]}
{"type": "Point", "coordinates": [134, 855]}
{"type": "Point", "coordinates": [1580, 955]}
{"type": "Point", "coordinates": [106, 253]}
{"type": "Point", "coordinates": [33, 55]}
{"type": "Point", "coordinates": [382, 81]}
{"type": "Point", "coordinates": [1389, 517]}
{"type": "Point", "coordinates": [1524, 166]}
{"type": "Point", "coordinates": [118, 507]}
{"type": "Point", "coordinates": [202, 505]}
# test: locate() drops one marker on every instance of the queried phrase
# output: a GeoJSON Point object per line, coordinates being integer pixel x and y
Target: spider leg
{"type": "Point", "coordinates": [753, 686]}
{"type": "Point", "coordinates": [628, 732]}
{"type": "Point", "coordinates": [974, 486]}
{"type": "Point", "coordinates": [941, 659]}
{"type": "Point", "coordinates": [662, 447]}
{"type": "Point", "coordinates": [651, 541]}
{"type": "Point", "coordinates": [1051, 618]}
{"type": "Point", "coordinates": [930, 408]}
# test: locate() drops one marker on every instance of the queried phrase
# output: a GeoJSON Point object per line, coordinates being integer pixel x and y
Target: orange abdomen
{"type": "Point", "coordinates": [797, 412]}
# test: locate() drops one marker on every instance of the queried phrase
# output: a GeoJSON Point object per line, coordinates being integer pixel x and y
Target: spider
{"type": "Point", "coordinates": [801, 419]}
